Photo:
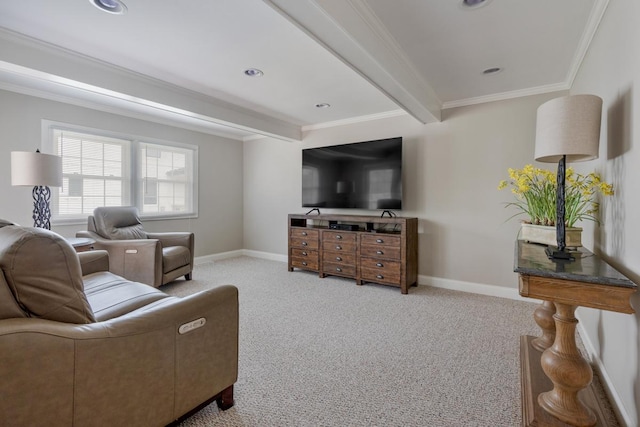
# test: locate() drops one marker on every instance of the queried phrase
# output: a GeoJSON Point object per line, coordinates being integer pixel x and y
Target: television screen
{"type": "Point", "coordinates": [362, 175]}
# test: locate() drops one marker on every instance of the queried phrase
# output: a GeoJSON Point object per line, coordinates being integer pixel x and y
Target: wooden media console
{"type": "Point", "coordinates": [366, 248]}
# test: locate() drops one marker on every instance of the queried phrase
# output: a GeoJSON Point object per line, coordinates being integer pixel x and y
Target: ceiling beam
{"type": "Point", "coordinates": [351, 31]}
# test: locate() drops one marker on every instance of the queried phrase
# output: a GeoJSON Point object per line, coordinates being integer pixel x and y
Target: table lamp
{"type": "Point", "coordinates": [40, 171]}
{"type": "Point", "coordinates": [567, 129]}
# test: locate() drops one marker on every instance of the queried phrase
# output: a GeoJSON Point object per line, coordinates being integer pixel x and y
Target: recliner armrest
{"type": "Point", "coordinates": [176, 238]}
{"type": "Point", "coordinates": [139, 260]}
{"type": "Point", "coordinates": [93, 261]}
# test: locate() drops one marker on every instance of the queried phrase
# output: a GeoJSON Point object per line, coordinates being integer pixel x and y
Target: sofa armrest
{"type": "Point", "coordinates": [80, 373]}
{"type": "Point", "coordinates": [93, 261]}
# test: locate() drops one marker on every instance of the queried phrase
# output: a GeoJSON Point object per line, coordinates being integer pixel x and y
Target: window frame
{"type": "Point", "coordinates": [135, 190]}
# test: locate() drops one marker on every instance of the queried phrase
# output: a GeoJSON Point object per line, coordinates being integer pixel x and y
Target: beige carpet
{"type": "Point", "coordinates": [325, 352]}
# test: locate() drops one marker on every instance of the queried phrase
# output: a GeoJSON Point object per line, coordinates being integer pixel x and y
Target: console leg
{"type": "Point", "coordinates": [225, 398]}
{"type": "Point", "coordinates": [569, 372]}
{"type": "Point", "coordinates": [543, 315]}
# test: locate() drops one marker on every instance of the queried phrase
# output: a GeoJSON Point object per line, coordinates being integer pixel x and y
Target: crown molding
{"type": "Point", "coordinates": [73, 74]}
{"type": "Point", "coordinates": [354, 120]}
{"type": "Point", "coordinates": [506, 95]}
{"type": "Point", "coordinates": [597, 13]}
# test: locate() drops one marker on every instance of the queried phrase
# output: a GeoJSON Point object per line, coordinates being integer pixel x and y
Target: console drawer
{"type": "Point", "coordinates": [337, 269]}
{"type": "Point", "coordinates": [380, 251]}
{"type": "Point", "coordinates": [345, 247]}
{"type": "Point", "coordinates": [340, 258]}
{"type": "Point", "coordinates": [307, 263]}
{"type": "Point", "coordinates": [377, 270]}
{"type": "Point", "coordinates": [304, 253]}
{"type": "Point", "coordinates": [300, 242]}
{"type": "Point", "coordinates": [338, 237]}
{"type": "Point", "coordinates": [380, 240]}
{"type": "Point", "coordinates": [304, 233]}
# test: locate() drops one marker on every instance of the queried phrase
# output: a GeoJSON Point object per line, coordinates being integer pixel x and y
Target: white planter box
{"type": "Point", "coordinates": [547, 235]}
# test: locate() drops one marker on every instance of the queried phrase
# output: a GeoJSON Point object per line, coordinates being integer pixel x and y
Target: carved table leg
{"type": "Point", "coordinates": [569, 372]}
{"type": "Point", "coordinates": [543, 315]}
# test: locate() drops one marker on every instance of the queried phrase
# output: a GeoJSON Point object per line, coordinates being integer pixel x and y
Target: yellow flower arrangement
{"type": "Point", "coordinates": [535, 192]}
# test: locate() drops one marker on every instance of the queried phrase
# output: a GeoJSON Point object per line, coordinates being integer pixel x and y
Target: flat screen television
{"type": "Point", "coordinates": [361, 175]}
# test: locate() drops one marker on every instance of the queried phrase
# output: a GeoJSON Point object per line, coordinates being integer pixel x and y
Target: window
{"type": "Point", "coordinates": [167, 177]}
{"type": "Point", "coordinates": [117, 170]}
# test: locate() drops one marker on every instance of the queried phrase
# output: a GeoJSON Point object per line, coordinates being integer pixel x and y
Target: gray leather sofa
{"type": "Point", "coordinates": [80, 346]}
{"type": "Point", "coordinates": [151, 258]}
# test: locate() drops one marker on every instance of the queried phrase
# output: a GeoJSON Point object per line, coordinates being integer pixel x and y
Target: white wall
{"type": "Point", "coordinates": [611, 70]}
{"type": "Point", "coordinates": [219, 225]}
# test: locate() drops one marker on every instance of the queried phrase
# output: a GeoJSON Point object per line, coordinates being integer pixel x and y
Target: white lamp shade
{"type": "Point", "coordinates": [36, 169]}
{"type": "Point", "coordinates": [569, 125]}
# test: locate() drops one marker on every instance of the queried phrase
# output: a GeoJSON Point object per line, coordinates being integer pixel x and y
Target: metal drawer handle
{"type": "Point", "coordinates": [338, 237]}
{"type": "Point", "coordinates": [338, 269]}
{"type": "Point", "coordinates": [304, 233]}
{"type": "Point", "coordinates": [338, 258]}
{"type": "Point", "coordinates": [338, 247]}
{"type": "Point", "coordinates": [304, 243]}
{"type": "Point", "coordinates": [379, 241]}
{"type": "Point", "coordinates": [379, 264]}
{"type": "Point", "coordinates": [379, 252]}
{"type": "Point", "coordinates": [304, 253]}
{"type": "Point", "coordinates": [304, 263]}
{"type": "Point", "coordinates": [380, 276]}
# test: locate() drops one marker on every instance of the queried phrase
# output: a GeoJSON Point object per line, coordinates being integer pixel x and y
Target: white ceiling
{"type": "Point", "coordinates": [183, 60]}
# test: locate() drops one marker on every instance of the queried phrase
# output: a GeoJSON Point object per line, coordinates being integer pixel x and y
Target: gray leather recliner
{"type": "Point", "coordinates": [151, 258]}
{"type": "Point", "coordinates": [81, 346]}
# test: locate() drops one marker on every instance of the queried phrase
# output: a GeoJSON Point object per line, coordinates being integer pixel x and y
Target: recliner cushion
{"type": "Point", "coordinates": [174, 257]}
{"type": "Point", "coordinates": [43, 273]}
{"type": "Point", "coordinates": [118, 223]}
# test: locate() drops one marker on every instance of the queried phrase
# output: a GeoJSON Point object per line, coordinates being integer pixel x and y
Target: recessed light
{"type": "Point", "coordinates": [493, 70]}
{"type": "Point", "coordinates": [323, 105]}
{"type": "Point", "coordinates": [472, 4]}
{"type": "Point", "coordinates": [253, 72]}
{"type": "Point", "coordinates": [110, 6]}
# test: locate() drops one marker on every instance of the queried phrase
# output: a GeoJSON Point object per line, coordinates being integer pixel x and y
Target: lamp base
{"type": "Point", "coordinates": [41, 209]}
{"type": "Point", "coordinates": [554, 253]}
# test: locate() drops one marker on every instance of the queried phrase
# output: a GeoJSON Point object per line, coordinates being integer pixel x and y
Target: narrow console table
{"type": "Point", "coordinates": [366, 248]}
{"type": "Point", "coordinates": [556, 380]}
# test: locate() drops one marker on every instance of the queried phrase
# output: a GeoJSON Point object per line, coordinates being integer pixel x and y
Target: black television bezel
{"type": "Point", "coordinates": [385, 209]}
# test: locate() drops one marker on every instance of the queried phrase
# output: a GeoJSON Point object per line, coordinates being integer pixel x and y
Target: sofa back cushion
{"type": "Point", "coordinates": [118, 223]}
{"type": "Point", "coordinates": [43, 275]}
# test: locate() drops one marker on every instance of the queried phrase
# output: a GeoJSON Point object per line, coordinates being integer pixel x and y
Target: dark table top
{"type": "Point", "coordinates": [531, 259]}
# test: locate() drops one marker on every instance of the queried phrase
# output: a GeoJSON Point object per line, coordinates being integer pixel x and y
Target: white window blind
{"type": "Point", "coordinates": [159, 178]}
{"type": "Point", "coordinates": [95, 172]}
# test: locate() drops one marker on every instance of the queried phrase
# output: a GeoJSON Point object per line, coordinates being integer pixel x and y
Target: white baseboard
{"type": "Point", "coordinates": [239, 252]}
{"type": "Point", "coordinates": [265, 255]}
{"type": "Point", "coordinates": [216, 257]}
{"type": "Point", "coordinates": [471, 287]}
{"type": "Point", "coordinates": [474, 288]}
{"type": "Point", "coordinates": [612, 394]}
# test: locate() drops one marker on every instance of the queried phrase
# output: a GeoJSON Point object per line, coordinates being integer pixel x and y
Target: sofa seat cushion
{"type": "Point", "coordinates": [43, 273]}
{"type": "Point", "coordinates": [112, 296]}
{"type": "Point", "coordinates": [175, 257]}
